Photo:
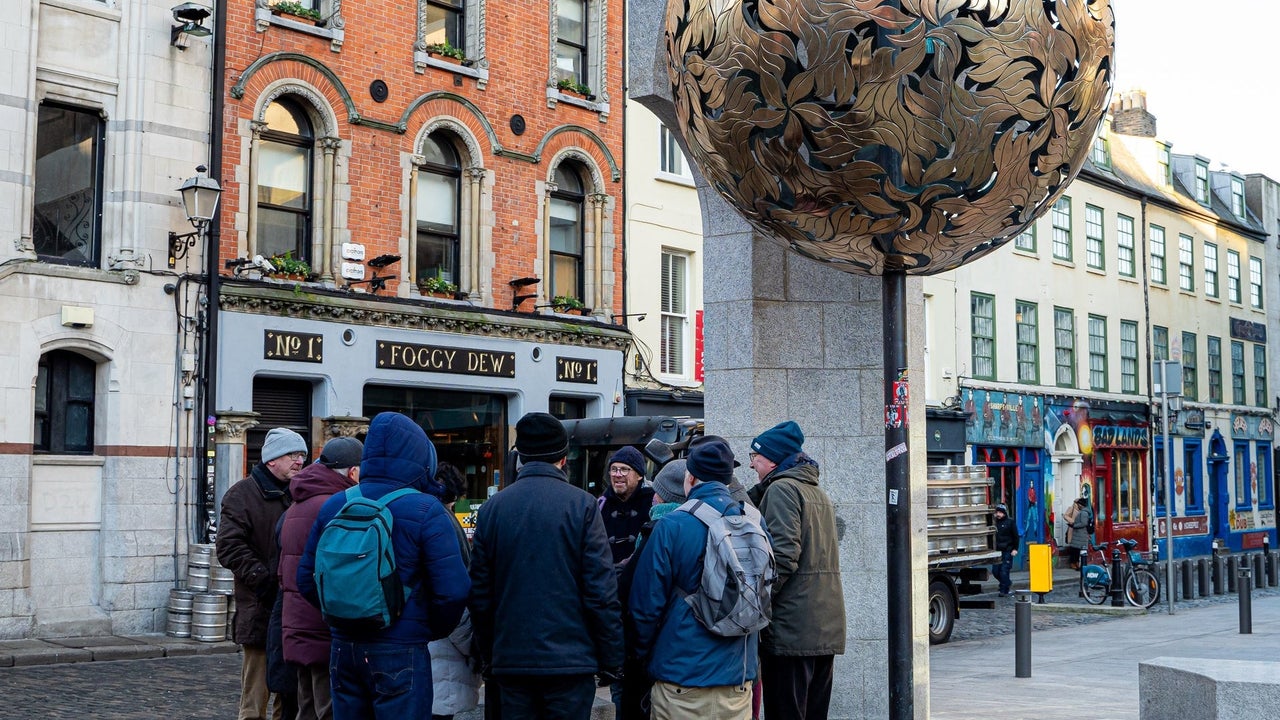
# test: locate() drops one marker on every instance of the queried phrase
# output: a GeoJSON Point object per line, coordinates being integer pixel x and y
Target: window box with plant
{"type": "Point", "coordinates": [569, 304]}
{"type": "Point", "coordinates": [289, 268]}
{"type": "Point", "coordinates": [296, 9]}
{"type": "Point", "coordinates": [448, 53]}
{"type": "Point", "coordinates": [573, 87]}
{"type": "Point", "coordinates": [437, 287]}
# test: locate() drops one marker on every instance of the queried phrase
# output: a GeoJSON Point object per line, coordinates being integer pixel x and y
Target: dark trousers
{"type": "Point", "coordinates": [546, 697]}
{"type": "Point", "coordinates": [796, 688]}
{"type": "Point", "coordinates": [379, 681]}
{"type": "Point", "coordinates": [1001, 571]}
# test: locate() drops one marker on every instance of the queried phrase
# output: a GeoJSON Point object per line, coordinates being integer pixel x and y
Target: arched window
{"type": "Point", "coordinates": [65, 388]}
{"type": "Point", "coordinates": [566, 233]}
{"type": "Point", "coordinates": [439, 207]}
{"type": "Point", "coordinates": [284, 182]}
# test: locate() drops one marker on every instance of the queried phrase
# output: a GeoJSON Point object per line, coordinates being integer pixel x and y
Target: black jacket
{"type": "Point", "coordinates": [624, 518]}
{"type": "Point", "coordinates": [544, 592]}
{"type": "Point", "coordinates": [1006, 534]}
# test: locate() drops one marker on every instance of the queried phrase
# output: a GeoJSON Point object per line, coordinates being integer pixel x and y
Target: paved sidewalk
{"type": "Point", "coordinates": [1090, 671]}
{"type": "Point", "coordinates": [22, 653]}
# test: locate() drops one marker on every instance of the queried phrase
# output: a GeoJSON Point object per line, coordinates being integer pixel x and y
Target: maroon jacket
{"type": "Point", "coordinates": [306, 635]}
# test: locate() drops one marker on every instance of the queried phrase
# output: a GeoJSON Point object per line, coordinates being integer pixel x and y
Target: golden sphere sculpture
{"type": "Point", "coordinates": [914, 135]}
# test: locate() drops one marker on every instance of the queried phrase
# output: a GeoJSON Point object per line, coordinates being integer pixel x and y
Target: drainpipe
{"type": "Point", "coordinates": [207, 404]}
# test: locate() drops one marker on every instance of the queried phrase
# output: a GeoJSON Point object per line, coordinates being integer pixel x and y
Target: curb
{"type": "Point", "coordinates": [27, 653]}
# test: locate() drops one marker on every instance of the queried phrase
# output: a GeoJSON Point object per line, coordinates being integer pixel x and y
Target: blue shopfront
{"type": "Point", "coordinates": [1006, 433]}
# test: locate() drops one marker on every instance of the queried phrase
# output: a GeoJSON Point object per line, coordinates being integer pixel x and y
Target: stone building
{"type": "Point", "coordinates": [104, 111]}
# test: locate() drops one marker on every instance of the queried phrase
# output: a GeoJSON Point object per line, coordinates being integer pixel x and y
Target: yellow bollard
{"type": "Point", "coordinates": [1040, 563]}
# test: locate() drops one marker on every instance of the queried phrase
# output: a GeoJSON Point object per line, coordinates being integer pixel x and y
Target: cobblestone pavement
{"type": "Point", "coordinates": [201, 687]}
{"type": "Point", "coordinates": [1069, 609]}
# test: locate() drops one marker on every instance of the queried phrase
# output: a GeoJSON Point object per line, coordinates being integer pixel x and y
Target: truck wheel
{"type": "Point", "coordinates": [942, 612]}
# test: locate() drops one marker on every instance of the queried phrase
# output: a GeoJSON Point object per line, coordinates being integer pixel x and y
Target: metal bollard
{"type": "Point", "coordinates": [1273, 565]}
{"type": "Point", "coordinates": [1219, 587]}
{"type": "Point", "coordinates": [1246, 601]}
{"type": "Point", "coordinates": [1202, 577]}
{"type": "Point", "coordinates": [1022, 635]}
{"type": "Point", "coordinates": [1259, 572]}
{"type": "Point", "coordinates": [1233, 567]}
{"type": "Point", "coordinates": [1188, 589]}
{"type": "Point", "coordinates": [1117, 582]}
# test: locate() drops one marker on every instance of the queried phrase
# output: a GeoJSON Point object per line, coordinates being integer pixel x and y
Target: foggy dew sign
{"type": "Point", "coordinates": [438, 358]}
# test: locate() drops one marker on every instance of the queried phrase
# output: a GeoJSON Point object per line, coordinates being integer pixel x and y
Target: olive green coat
{"type": "Point", "coordinates": [808, 599]}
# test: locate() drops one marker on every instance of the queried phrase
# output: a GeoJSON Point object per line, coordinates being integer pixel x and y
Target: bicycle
{"type": "Point", "coordinates": [1141, 586]}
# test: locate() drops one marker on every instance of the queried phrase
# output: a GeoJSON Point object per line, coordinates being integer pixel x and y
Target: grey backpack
{"type": "Point", "coordinates": [735, 597]}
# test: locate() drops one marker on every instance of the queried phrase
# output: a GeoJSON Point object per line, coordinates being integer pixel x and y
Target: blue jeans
{"type": "Point", "coordinates": [386, 681]}
{"type": "Point", "coordinates": [1001, 571]}
{"type": "Point", "coordinates": [546, 697]}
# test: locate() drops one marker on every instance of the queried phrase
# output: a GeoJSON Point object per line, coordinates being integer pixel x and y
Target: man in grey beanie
{"type": "Point", "coordinates": [246, 545]}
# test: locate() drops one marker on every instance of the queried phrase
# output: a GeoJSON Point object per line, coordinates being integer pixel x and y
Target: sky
{"type": "Point", "coordinates": [1206, 66]}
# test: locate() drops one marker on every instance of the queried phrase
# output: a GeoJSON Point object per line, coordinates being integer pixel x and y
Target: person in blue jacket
{"type": "Point", "coordinates": [387, 673]}
{"type": "Point", "coordinates": [696, 673]}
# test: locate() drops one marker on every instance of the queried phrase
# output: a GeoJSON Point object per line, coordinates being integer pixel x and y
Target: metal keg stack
{"type": "Point", "coordinates": [960, 522]}
{"type": "Point", "coordinates": [203, 609]}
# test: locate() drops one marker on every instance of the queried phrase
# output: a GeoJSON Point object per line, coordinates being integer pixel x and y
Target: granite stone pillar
{"type": "Point", "coordinates": [789, 338]}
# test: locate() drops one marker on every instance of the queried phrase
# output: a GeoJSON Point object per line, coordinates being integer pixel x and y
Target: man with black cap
{"type": "Point", "coordinates": [305, 634]}
{"type": "Point", "coordinates": [798, 649]}
{"type": "Point", "coordinates": [246, 545]}
{"type": "Point", "coordinates": [1007, 544]}
{"type": "Point", "coordinates": [626, 501]}
{"type": "Point", "coordinates": [544, 604]}
{"type": "Point", "coordinates": [697, 674]}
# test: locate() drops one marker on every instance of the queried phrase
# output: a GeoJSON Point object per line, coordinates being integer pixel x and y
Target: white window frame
{"type": "Point", "coordinates": [597, 58]}
{"type": "Point", "coordinates": [672, 164]}
{"type": "Point", "coordinates": [677, 315]}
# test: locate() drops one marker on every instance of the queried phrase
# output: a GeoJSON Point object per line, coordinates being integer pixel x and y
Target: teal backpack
{"type": "Point", "coordinates": [356, 578]}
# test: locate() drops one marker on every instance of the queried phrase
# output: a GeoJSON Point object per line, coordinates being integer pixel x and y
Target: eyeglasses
{"type": "Point", "coordinates": [751, 456]}
{"type": "Point", "coordinates": [297, 456]}
{"type": "Point", "coordinates": [619, 470]}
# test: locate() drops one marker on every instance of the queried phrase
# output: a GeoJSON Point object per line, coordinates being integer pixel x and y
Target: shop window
{"type": "Point", "coordinates": [64, 403]}
{"type": "Point", "coordinates": [438, 211]}
{"type": "Point", "coordinates": [1242, 472]}
{"type": "Point", "coordinates": [567, 203]}
{"type": "Point", "coordinates": [1003, 464]}
{"type": "Point", "coordinates": [983, 311]}
{"type": "Point", "coordinates": [67, 218]}
{"type": "Point", "coordinates": [1214, 349]}
{"type": "Point", "coordinates": [284, 182]}
{"type": "Point", "coordinates": [675, 313]}
{"type": "Point", "coordinates": [1124, 486]}
{"type": "Point", "coordinates": [567, 408]}
{"type": "Point", "coordinates": [1192, 476]}
{"type": "Point", "coordinates": [1263, 478]}
{"type": "Point", "coordinates": [468, 429]}
{"type": "Point", "coordinates": [279, 403]}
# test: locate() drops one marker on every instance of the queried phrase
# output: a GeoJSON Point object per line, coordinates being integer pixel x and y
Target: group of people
{"type": "Point", "coordinates": [556, 592]}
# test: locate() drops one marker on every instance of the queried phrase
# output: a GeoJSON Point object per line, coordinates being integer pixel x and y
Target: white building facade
{"type": "Point", "coordinates": [103, 118]}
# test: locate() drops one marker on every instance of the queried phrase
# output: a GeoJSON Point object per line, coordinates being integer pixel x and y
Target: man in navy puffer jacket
{"type": "Point", "coordinates": [387, 674]}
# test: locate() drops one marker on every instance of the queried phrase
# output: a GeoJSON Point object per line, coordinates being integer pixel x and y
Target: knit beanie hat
{"type": "Point", "coordinates": [669, 482]}
{"type": "Point", "coordinates": [710, 460]}
{"type": "Point", "coordinates": [780, 441]}
{"type": "Point", "coordinates": [280, 442]}
{"type": "Point", "coordinates": [628, 455]}
{"type": "Point", "coordinates": [341, 453]}
{"type": "Point", "coordinates": [540, 436]}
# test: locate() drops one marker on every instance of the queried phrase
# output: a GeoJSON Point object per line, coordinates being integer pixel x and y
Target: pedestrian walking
{"type": "Point", "coordinates": [305, 634]}
{"type": "Point", "coordinates": [384, 671]}
{"type": "Point", "coordinates": [798, 648]}
{"type": "Point", "coordinates": [544, 603]}
{"type": "Point", "coordinates": [1007, 544]}
{"type": "Point", "coordinates": [246, 545]}
{"type": "Point", "coordinates": [697, 673]}
{"type": "Point", "coordinates": [1079, 518]}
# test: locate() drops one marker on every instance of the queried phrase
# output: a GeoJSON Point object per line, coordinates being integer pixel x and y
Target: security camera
{"type": "Point", "coordinates": [190, 12]}
{"type": "Point", "coordinates": [263, 264]}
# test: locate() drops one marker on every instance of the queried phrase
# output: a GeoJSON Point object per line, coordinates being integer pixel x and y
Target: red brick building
{"type": "Point", "coordinates": [481, 143]}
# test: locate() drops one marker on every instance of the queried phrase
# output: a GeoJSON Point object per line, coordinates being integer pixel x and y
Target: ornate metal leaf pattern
{"type": "Point", "coordinates": [874, 134]}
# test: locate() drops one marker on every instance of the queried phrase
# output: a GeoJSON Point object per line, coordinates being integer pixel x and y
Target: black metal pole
{"type": "Point", "coordinates": [1117, 582]}
{"type": "Point", "coordinates": [897, 468]}
{"type": "Point", "coordinates": [1246, 601]}
{"type": "Point", "coordinates": [1022, 636]}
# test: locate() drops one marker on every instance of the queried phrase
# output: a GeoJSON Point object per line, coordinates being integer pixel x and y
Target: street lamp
{"type": "Point", "coordinates": [891, 138]}
{"type": "Point", "coordinates": [199, 201]}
